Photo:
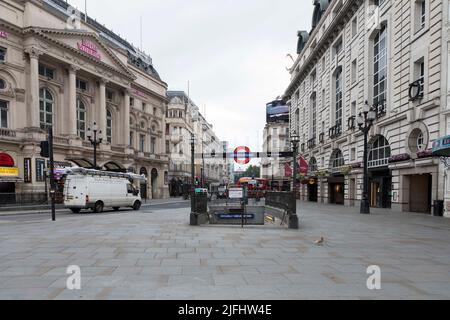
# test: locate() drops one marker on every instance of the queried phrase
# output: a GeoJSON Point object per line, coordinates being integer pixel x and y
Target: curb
{"type": "Point", "coordinates": [48, 211]}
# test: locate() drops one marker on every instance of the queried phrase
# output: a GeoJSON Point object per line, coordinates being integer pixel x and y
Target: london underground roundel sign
{"type": "Point", "coordinates": [242, 155]}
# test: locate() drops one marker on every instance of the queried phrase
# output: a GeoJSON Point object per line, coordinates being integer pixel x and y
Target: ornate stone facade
{"type": "Point", "coordinates": [68, 75]}
{"type": "Point", "coordinates": [371, 51]}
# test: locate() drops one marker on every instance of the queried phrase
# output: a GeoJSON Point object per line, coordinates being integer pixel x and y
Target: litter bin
{"type": "Point", "coordinates": [201, 201]}
{"type": "Point", "coordinates": [438, 208]}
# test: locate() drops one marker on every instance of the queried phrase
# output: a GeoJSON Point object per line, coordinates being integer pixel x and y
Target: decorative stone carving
{"type": "Point", "coordinates": [33, 52]}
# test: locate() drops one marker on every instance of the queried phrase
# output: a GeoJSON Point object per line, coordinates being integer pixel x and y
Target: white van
{"type": "Point", "coordinates": [96, 190]}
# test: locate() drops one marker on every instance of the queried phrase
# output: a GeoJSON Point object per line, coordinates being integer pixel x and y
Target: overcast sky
{"type": "Point", "coordinates": [233, 52]}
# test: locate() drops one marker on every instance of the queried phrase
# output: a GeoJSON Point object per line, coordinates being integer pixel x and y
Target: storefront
{"type": "Point", "coordinates": [336, 188]}
{"type": "Point", "coordinates": [313, 190]}
{"type": "Point", "coordinates": [9, 176]}
{"type": "Point", "coordinates": [380, 188]}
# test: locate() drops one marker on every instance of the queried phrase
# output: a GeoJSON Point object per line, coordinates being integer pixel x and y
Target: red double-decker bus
{"type": "Point", "coordinates": [257, 188]}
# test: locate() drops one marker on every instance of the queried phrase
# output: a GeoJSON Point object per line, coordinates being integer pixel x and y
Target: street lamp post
{"type": "Point", "coordinates": [365, 123]}
{"type": "Point", "coordinates": [95, 137]}
{"type": "Point", "coordinates": [293, 219]}
{"type": "Point", "coordinates": [194, 217]}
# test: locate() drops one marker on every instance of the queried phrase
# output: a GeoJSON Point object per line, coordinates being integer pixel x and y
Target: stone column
{"type": "Point", "coordinates": [33, 121]}
{"type": "Point", "coordinates": [72, 108]}
{"type": "Point", "coordinates": [102, 108]}
{"type": "Point", "coordinates": [126, 118]}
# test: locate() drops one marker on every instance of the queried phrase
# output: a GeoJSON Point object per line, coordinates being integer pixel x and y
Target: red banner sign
{"type": "Point", "coordinates": [89, 48]}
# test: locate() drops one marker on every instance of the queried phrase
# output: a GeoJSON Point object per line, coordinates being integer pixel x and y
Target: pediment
{"type": "Point", "coordinates": [87, 45]}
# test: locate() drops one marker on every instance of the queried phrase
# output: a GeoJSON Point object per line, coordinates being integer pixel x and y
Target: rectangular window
{"type": "Point", "coordinates": [313, 78]}
{"type": "Point", "coordinates": [420, 14]}
{"type": "Point", "coordinates": [144, 106]}
{"type": "Point", "coordinates": [314, 116]}
{"type": "Point", "coordinates": [423, 13]}
{"type": "Point", "coordinates": [46, 72]}
{"type": "Point", "coordinates": [109, 95]}
{"type": "Point", "coordinates": [419, 70]}
{"type": "Point", "coordinates": [27, 178]}
{"type": "Point", "coordinates": [40, 170]}
{"type": "Point", "coordinates": [338, 47]}
{"type": "Point", "coordinates": [142, 143]}
{"type": "Point", "coordinates": [354, 27]}
{"type": "Point", "coordinates": [131, 138]}
{"type": "Point", "coordinates": [354, 108]}
{"type": "Point", "coordinates": [353, 154]}
{"type": "Point", "coordinates": [3, 114]}
{"type": "Point", "coordinates": [153, 145]}
{"type": "Point", "coordinates": [167, 147]}
{"type": "Point", "coordinates": [83, 85]}
{"type": "Point", "coordinates": [131, 102]}
{"type": "Point", "coordinates": [380, 67]}
{"type": "Point", "coordinates": [2, 55]}
{"type": "Point", "coordinates": [354, 70]}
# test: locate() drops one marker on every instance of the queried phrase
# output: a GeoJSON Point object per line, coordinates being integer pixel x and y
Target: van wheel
{"type": "Point", "coordinates": [116, 208]}
{"type": "Point", "coordinates": [75, 210]}
{"type": "Point", "coordinates": [136, 205]}
{"type": "Point", "coordinates": [98, 208]}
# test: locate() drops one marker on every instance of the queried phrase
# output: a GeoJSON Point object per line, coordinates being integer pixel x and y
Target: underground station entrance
{"type": "Point", "coordinates": [243, 206]}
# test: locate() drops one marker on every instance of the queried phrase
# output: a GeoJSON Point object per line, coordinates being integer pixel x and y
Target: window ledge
{"type": "Point", "coordinates": [418, 34]}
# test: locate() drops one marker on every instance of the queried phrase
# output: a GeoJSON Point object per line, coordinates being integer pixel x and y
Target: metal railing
{"type": "Point", "coordinates": [281, 200]}
{"type": "Point", "coordinates": [11, 199]}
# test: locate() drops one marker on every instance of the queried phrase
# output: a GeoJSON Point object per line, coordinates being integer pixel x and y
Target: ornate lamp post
{"type": "Point", "coordinates": [96, 138]}
{"type": "Point", "coordinates": [365, 123]}
{"type": "Point", "coordinates": [194, 217]}
{"type": "Point", "coordinates": [293, 219]}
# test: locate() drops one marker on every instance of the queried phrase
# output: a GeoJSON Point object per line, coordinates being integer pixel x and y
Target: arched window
{"type": "Point", "coordinates": [46, 105]}
{"type": "Point", "coordinates": [313, 165]}
{"type": "Point", "coordinates": [338, 105]}
{"type": "Point", "coordinates": [2, 84]}
{"type": "Point", "coordinates": [337, 159]}
{"type": "Point", "coordinates": [81, 119]}
{"type": "Point", "coordinates": [109, 124]}
{"type": "Point", "coordinates": [380, 66]}
{"type": "Point", "coordinates": [380, 152]}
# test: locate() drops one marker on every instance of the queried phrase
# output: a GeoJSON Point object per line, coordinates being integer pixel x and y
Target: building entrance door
{"type": "Point", "coordinates": [336, 190]}
{"type": "Point", "coordinates": [420, 193]}
{"type": "Point", "coordinates": [380, 189]}
{"type": "Point", "coordinates": [312, 191]}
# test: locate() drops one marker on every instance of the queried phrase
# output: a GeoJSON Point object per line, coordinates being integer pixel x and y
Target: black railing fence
{"type": "Point", "coordinates": [281, 200]}
{"type": "Point", "coordinates": [9, 199]}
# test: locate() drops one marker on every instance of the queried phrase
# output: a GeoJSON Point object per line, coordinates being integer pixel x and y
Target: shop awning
{"type": "Point", "coordinates": [441, 147]}
{"type": "Point", "coordinates": [82, 163]}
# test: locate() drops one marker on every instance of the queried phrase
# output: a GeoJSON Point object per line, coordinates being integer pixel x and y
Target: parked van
{"type": "Point", "coordinates": [96, 190]}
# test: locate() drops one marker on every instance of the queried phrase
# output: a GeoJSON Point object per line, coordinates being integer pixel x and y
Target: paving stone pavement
{"type": "Point", "coordinates": [157, 255]}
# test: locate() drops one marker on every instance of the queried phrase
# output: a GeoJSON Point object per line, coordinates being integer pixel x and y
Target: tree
{"type": "Point", "coordinates": [252, 172]}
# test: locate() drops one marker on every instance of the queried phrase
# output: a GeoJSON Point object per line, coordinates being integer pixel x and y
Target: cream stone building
{"type": "Point", "coordinates": [61, 69]}
{"type": "Point", "coordinates": [183, 119]}
{"type": "Point", "coordinates": [276, 139]}
{"type": "Point", "coordinates": [386, 53]}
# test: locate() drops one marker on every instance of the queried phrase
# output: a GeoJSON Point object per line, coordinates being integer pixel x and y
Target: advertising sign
{"type": "Point", "coordinates": [89, 48]}
{"type": "Point", "coordinates": [9, 172]}
{"type": "Point", "coordinates": [236, 193]}
{"type": "Point", "coordinates": [3, 34]}
{"type": "Point", "coordinates": [277, 111]}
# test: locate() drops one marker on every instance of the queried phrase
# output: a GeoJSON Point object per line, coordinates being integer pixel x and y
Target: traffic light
{"type": "Point", "coordinates": [197, 181]}
{"type": "Point", "coordinates": [45, 149]}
